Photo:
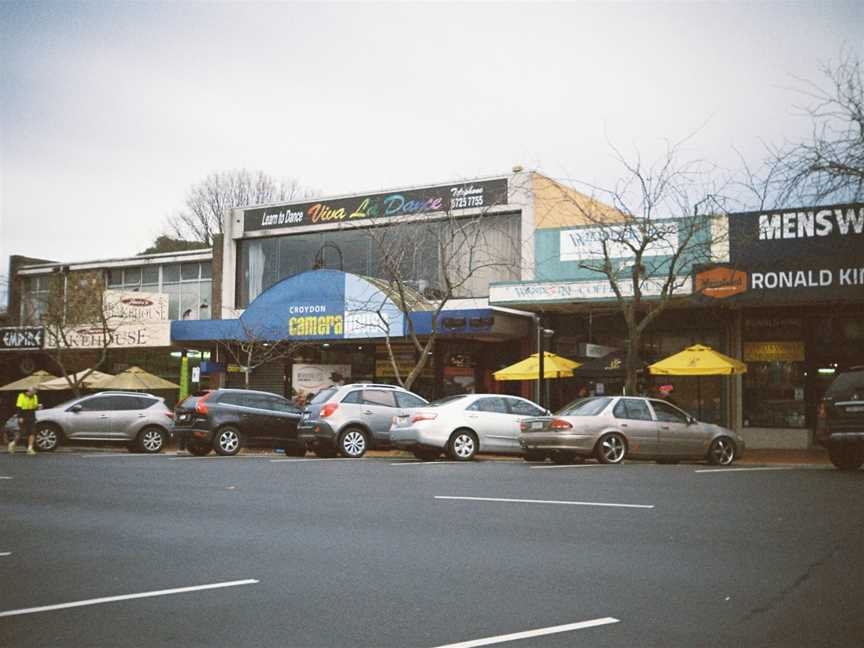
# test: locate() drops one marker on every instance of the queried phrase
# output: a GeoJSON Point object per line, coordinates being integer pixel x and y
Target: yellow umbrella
{"type": "Point", "coordinates": [554, 366]}
{"type": "Point", "coordinates": [33, 380]}
{"type": "Point", "coordinates": [61, 383]}
{"type": "Point", "coordinates": [698, 360]}
{"type": "Point", "coordinates": [134, 378]}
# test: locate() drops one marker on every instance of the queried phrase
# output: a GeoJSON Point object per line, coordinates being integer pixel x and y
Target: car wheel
{"type": "Point", "coordinates": [533, 457]}
{"type": "Point", "coordinates": [721, 452]}
{"type": "Point", "coordinates": [427, 455]}
{"type": "Point", "coordinates": [462, 446]}
{"type": "Point", "coordinates": [353, 443]}
{"type": "Point", "coordinates": [295, 451]}
{"type": "Point", "coordinates": [198, 449]}
{"type": "Point", "coordinates": [611, 449]}
{"type": "Point", "coordinates": [47, 438]}
{"type": "Point", "coordinates": [227, 441]}
{"type": "Point", "coordinates": [152, 440]}
{"type": "Point", "coordinates": [846, 456]}
{"type": "Point", "coordinates": [325, 452]}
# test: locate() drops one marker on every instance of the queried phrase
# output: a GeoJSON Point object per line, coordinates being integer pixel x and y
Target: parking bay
{"type": "Point", "coordinates": [368, 553]}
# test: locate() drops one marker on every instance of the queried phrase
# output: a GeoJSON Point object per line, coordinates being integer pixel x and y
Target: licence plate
{"type": "Point", "coordinates": [537, 425]}
{"type": "Point", "coordinates": [855, 408]}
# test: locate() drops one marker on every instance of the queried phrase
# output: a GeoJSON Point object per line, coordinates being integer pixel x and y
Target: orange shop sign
{"type": "Point", "coordinates": [720, 283]}
{"type": "Point", "coordinates": [773, 351]}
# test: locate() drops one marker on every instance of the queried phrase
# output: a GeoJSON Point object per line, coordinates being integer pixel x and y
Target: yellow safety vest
{"type": "Point", "coordinates": [26, 402]}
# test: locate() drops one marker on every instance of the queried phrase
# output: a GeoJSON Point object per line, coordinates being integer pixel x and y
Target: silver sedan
{"type": "Point", "coordinates": [464, 425]}
{"type": "Point", "coordinates": [611, 428]}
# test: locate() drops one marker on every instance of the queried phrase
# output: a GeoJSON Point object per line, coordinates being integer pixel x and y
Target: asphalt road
{"type": "Point", "coordinates": [367, 553]}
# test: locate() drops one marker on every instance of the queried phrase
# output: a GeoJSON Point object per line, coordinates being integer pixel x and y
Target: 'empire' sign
{"type": "Point", "coordinates": [21, 338]}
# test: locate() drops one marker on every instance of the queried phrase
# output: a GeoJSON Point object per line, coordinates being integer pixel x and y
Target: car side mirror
{"type": "Point", "coordinates": [75, 409]}
{"type": "Point", "coordinates": [548, 412]}
{"type": "Point", "coordinates": [691, 420]}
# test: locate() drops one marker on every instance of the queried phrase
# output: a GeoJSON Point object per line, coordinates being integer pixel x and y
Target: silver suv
{"type": "Point", "coordinates": [140, 421]}
{"type": "Point", "coordinates": [350, 419]}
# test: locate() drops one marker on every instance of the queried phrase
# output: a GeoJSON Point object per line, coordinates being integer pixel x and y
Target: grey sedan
{"type": "Point", "coordinates": [611, 428]}
{"type": "Point", "coordinates": [464, 425]}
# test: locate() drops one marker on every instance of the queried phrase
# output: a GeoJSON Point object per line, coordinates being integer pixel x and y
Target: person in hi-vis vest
{"type": "Point", "coordinates": [27, 404]}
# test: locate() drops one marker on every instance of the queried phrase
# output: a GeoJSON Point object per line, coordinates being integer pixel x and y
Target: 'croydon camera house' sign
{"type": "Point", "coordinates": [797, 254]}
{"type": "Point", "coordinates": [469, 195]}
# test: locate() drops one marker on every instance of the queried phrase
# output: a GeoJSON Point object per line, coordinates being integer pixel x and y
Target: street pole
{"type": "Point", "coordinates": [539, 391]}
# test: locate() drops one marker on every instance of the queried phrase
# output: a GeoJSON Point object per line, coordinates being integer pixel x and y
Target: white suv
{"type": "Point", "coordinates": [350, 419]}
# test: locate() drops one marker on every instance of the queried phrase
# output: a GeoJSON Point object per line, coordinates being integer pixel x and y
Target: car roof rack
{"type": "Point", "coordinates": [383, 386]}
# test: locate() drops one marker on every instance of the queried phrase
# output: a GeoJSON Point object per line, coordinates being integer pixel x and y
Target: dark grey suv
{"type": "Point", "coordinates": [840, 420]}
{"type": "Point", "coordinates": [350, 419]}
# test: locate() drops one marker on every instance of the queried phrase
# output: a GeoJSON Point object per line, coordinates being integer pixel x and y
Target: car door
{"type": "Point", "coordinates": [519, 409]}
{"type": "Point", "coordinates": [89, 418]}
{"type": "Point", "coordinates": [491, 419]}
{"type": "Point", "coordinates": [637, 423]}
{"type": "Point", "coordinates": [378, 410]}
{"type": "Point", "coordinates": [284, 416]}
{"type": "Point", "coordinates": [676, 436]}
{"type": "Point", "coordinates": [257, 419]}
{"type": "Point", "coordinates": [126, 415]}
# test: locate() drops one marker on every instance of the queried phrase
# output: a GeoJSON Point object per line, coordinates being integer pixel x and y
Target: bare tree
{"type": "Point", "coordinates": [644, 249]}
{"type": "Point", "coordinates": [829, 163]}
{"type": "Point", "coordinates": [256, 347]}
{"type": "Point", "coordinates": [76, 316]}
{"type": "Point", "coordinates": [207, 201]}
{"type": "Point", "coordinates": [425, 264]}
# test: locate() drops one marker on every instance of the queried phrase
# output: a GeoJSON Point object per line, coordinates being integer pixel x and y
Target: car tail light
{"type": "Point", "coordinates": [423, 417]}
{"type": "Point", "coordinates": [328, 409]}
{"type": "Point", "coordinates": [560, 424]}
{"type": "Point", "coordinates": [201, 406]}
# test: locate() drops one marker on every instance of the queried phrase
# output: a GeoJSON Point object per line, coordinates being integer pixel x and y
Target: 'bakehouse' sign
{"type": "Point", "coordinates": [469, 195]}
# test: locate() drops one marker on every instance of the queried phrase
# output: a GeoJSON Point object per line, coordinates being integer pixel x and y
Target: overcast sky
{"type": "Point", "coordinates": [110, 111]}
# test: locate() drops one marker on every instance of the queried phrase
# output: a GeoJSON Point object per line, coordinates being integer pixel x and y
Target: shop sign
{"type": "Point", "coordinates": [720, 282]}
{"type": "Point", "coordinates": [564, 291]}
{"type": "Point", "coordinates": [470, 195]}
{"type": "Point", "coordinates": [773, 352]}
{"type": "Point", "coordinates": [136, 305]}
{"type": "Point", "coordinates": [312, 378]}
{"type": "Point", "coordinates": [121, 335]}
{"type": "Point", "coordinates": [805, 254]}
{"type": "Point", "coordinates": [21, 338]}
{"type": "Point", "coordinates": [615, 241]}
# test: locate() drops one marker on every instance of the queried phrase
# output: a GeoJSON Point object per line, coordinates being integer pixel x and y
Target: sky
{"type": "Point", "coordinates": [109, 112]}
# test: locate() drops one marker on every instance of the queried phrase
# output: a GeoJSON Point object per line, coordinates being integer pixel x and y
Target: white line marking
{"type": "Point", "coordinates": [5, 553]}
{"type": "Point", "coordinates": [311, 460]}
{"type": "Point", "coordinates": [595, 465]}
{"type": "Point", "coordinates": [2, 477]}
{"type": "Point", "coordinates": [426, 463]}
{"type": "Point", "coordinates": [212, 457]}
{"type": "Point", "coordinates": [126, 597]}
{"type": "Point", "coordinates": [533, 501]}
{"type": "Point", "coordinates": [130, 455]}
{"type": "Point", "coordinates": [539, 632]}
{"type": "Point", "coordinates": [725, 470]}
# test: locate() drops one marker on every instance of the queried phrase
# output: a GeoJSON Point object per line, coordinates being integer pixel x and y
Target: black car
{"type": "Point", "coordinates": [840, 421]}
{"type": "Point", "coordinates": [226, 420]}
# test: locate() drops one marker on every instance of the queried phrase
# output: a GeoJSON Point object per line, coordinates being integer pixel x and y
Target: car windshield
{"type": "Point", "coordinates": [323, 396]}
{"type": "Point", "coordinates": [584, 407]}
{"type": "Point", "coordinates": [845, 384]}
{"type": "Point", "coordinates": [446, 400]}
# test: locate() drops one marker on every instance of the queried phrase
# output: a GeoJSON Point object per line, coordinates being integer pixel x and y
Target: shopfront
{"type": "Point", "coordinates": [337, 326]}
{"type": "Point", "coordinates": [795, 279]}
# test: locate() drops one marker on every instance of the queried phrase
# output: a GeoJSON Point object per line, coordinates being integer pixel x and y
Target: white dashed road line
{"type": "Point", "coordinates": [594, 465]}
{"type": "Point", "coordinates": [4, 477]}
{"type": "Point", "coordinates": [126, 597]}
{"type": "Point", "coordinates": [311, 460]}
{"type": "Point", "coordinates": [3, 554]}
{"type": "Point", "coordinates": [534, 501]}
{"type": "Point", "coordinates": [425, 463]}
{"type": "Point", "coordinates": [528, 634]}
{"type": "Point", "coordinates": [729, 470]}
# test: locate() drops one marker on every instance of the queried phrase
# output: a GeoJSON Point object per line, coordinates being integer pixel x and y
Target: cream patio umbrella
{"type": "Point", "coordinates": [36, 379]}
{"type": "Point", "coordinates": [134, 378]}
{"type": "Point", "coordinates": [61, 383]}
